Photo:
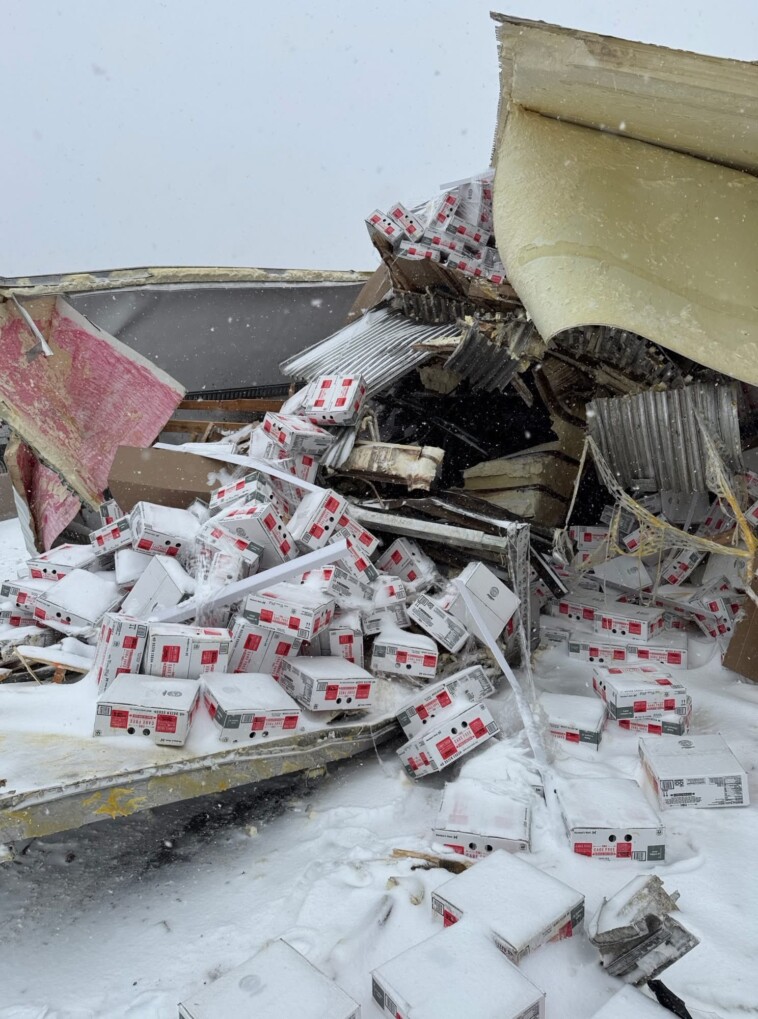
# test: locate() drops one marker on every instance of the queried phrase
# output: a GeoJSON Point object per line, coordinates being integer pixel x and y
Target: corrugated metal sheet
{"type": "Point", "coordinates": [379, 346]}
{"type": "Point", "coordinates": [653, 441]}
{"type": "Point", "coordinates": [491, 365]}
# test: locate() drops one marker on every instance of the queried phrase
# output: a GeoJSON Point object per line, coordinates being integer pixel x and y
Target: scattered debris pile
{"type": "Point", "coordinates": [442, 493]}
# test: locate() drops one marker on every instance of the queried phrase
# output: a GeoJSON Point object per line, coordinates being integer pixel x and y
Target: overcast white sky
{"type": "Point", "coordinates": [243, 133]}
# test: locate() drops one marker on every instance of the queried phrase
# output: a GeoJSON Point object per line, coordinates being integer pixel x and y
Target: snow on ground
{"type": "Point", "coordinates": [124, 918]}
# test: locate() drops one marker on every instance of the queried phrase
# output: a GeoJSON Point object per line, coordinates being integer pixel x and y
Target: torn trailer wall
{"type": "Point", "coordinates": [596, 226]}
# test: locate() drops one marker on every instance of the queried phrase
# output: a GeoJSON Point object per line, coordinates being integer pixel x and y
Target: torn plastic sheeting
{"type": "Point", "coordinates": [600, 229]}
{"type": "Point", "coordinates": [231, 593]}
{"type": "Point", "coordinates": [413, 466]}
{"type": "Point", "coordinates": [74, 408]}
{"type": "Point", "coordinates": [652, 441]}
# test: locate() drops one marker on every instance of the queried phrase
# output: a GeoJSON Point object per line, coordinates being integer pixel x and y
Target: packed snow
{"type": "Point", "coordinates": [127, 917]}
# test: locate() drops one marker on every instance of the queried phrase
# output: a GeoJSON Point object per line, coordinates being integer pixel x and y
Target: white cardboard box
{"type": "Point", "coordinates": [476, 818]}
{"type": "Point", "coordinates": [249, 706]}
{"type": "Point", "coordinates": [455, 974]}
{"type": "Point", "coordinates": [343, 638]}
{"type": "Point", "coordinates": [443, 626]}
{"type": "Point", "coordinates": [328, 683]}
{"type": "Point", "coordinates": [177, 651]}
{"type": "Point", "coordinates": [625, 571]}
{"type": "Point", "coordinates": [316, 521]}
{"type": "Point", "coordinates": [639, 690]}
{"type": "Point", "coordinates": [422, 710]}
{"type": "Point", "coordinates": [78, 601]}
{"type": "Point", "coordinates": [575, 719]}
{"type": "Point", "coordinates": [163, 530]}
{"type": "Point", "coordinates": [346, 588]}
{"type": "Point", "coordinates": [296, 435]}
{"type": "Point", "coordinates": [583, 605]}
{"type": "Point", "coordinates": [496, 603]}
{"type": "Point", "coordinates": [159, 708]}
{"type": "Point", "coordinates": [164, 583]}
{"type": "Point", "coordinates": [277, 983]}
{"type": "Point", "coordinates": [262, 526]}
{"type": "Point", "coordinates": [694, 771]}
{"type": "Point", "coordinates": [657, 723]}
{"type": "Point", "coordinates": [258, 649]}
{"type": "Point", "coordinates": [59, 562]}
{"type": "Point", "coordinates": [120, 646]}
{"type": "Point", "coordinates": [216, 536]}
{"type": "Point", "coordinates": [333, 399]}
{"type": "Point", "coordinates": [669, 649]}
{"type": "Point", "coordinates": [413, 228]}
{"type": "Point", "coordinates": [462, 728]}
{"type": "Point", "coordinates": [24, 592]}
{"type": "Point", "coordinates": [294, 609]}
{"type": "Point", "coordinates": [367, 542]}
{"type": "Point", "coordinates": [598, 648]}
{"type": "Point", "coordinates": [400, 653]}
{"type": "Point", "coordinates": [111, 537]}
{"type": "Point", "coordinates": [521, 905]}
{"type": "Point", "coordinates": [252, 488]}
{"type": "Point", "coordinates": [633, 622]}
{"type": "Point", "coordinates": [405, 560]}
{"type": "Point", "coordinates": [130, 566]}
{"type": "Point", "coordinates": [611, 819]}
{"type": "Point", "coordinates": [587, 536]}
{"type": "Point", "coordinates": [385, 617]}
{"type": "Point", "coordinates": [15, 617]}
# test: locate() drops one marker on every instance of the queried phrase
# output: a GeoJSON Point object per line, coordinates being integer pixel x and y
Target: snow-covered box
{"type": "Point", "coordinates": [398, 653]}
{"type": "Point", "coordinates": [159, 708]}
{"type": "Point", "coordinates": [333, 399]}
{"type": "Point", "coordinates": [328, 683]}
{"type": "Point", "coordinates": [262, 527]}
{"type": "Point", "coordinates": [611, 819]}
{"type": "Point", "coordinates": [405, 560]}
{"type": "Point", "coordinates": [24, 592]}
{"type": "Point", "coordinates": [111, 537]}
{"type": "Point", "coordinates": [78, 601]}
{"type": "Point", "coordinates": [252, 706]}
{"type": "Point", "coordinates": [639, 690]}
{"type": "Point", "coordinates": [163, 530]}
{"type": "Point", "coordinates": [277, 983]}
{"type": "Point", "coordinates": [290, 608]}
{"type": "Point", "coordinates": [476, 818]}
{"type": "Point", "coordinates": [629, 1003]}
{"type": "Point", "coordinates": [573, 718]}
{"type": "Point", "coordinates": [634, 622]}
{"type": "Point", "coordinates": [296, 435]}
{"type": "Point", "coordinates": [165, 583]}
{"type": "Point", "coordinates": [455, 974]}
{"type": "Point", "coordinates": [694, 771]}
{"type": "Point", "coordinates": [521, 906]}
{"type": "Point", "coordinates": [59, 562]}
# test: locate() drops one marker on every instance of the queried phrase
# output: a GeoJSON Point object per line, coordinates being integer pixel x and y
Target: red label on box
{"type": "Point", "coordinates": [446, 748]}
{"type": "Point", "coordinates": [640, 707]}
{"type": "Point", "coordinates": [444, 699]}
{"type": "Point", "coordinates": [119, 719]}
{"type": "Point", "coordinates": [478, 727]}
{"type": "Point", "coordinates": [171, 653]}
{"type": "Point", "coordinates": [294, 623]}
{"type": "Point", "coordinates": [363, 691]}
{"type": "Point", "coordinates": [130, 643]}
{"type": "Point", "coordinates": [165, 723]}
{"type": "Point", "coordinates": [331, 692]}
{"type": "Point", "coordinates": [624, 849]}
{"type": "Point", "coordinates": [583, 848]}
{"type": "Point", "coordinates": [209, 657]}
{"type": "Point", "coordinates": [145, 543]}
{"type": "Point", "coordinates": [290, 722]}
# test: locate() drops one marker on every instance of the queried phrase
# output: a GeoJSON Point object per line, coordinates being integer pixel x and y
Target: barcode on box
{"type": "Point", "coordinates": [639, 856]}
